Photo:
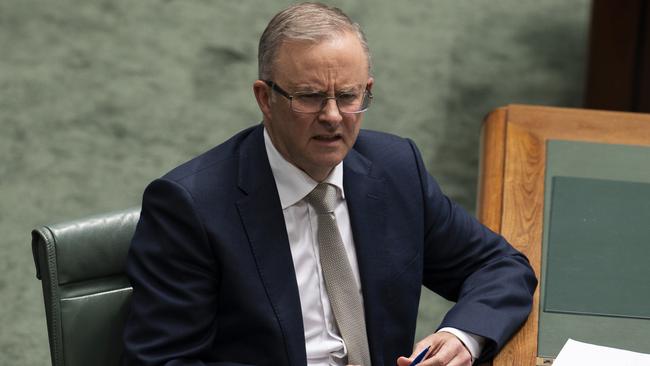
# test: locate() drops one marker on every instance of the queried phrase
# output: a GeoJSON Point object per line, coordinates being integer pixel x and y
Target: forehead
{"type": "Point", "coordinates": [339, 61]}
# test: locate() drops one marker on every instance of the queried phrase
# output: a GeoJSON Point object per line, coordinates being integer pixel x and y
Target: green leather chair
{"type": "Point", "coordinates": [81, 265]}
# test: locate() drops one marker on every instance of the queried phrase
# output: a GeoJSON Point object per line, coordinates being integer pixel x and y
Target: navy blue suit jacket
{"type": "Point", "coordinates": [214, 282]}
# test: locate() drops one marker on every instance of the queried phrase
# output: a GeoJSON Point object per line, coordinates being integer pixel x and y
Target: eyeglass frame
{"type": "Point", "coordinates": [275, 87]}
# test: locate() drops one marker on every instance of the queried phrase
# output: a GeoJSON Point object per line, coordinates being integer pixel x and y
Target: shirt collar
{"type": "Point", "coordinates": [293, 184]}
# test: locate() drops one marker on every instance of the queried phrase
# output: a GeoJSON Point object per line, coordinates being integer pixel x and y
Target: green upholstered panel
{"type": "Point", "coordinates": [598, 248]}
{"type": "Point", "coordinates": [92, 318]}
{"type": "Point", "coordinates": [588, 165]}
{"type": "Point", "coordinates": [93, 247]}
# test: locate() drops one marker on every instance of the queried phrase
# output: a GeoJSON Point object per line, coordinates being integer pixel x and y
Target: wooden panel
{"type": "Point", "coordinates": [491, 165]}
{"type": "Point", "coordinates": [522, 207]}
{"type": "Point", "coordinates": [582, 125]}
{"type": "Point", "coordinates": [515, 138]}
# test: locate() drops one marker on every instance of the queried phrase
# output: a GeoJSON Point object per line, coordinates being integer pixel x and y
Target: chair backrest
{"type": "Point", "coordinates": [82, 268]}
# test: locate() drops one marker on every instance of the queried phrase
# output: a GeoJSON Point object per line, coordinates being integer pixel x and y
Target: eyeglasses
{"type": "Point", "coordinates": [312, 102]}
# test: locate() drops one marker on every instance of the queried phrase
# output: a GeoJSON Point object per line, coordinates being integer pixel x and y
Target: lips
{"type": "Point", "coordinates": [327, 138]}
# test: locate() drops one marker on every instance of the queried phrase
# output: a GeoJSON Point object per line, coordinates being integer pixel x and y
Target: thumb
{"type": "Point", "coordinates": [403, 361]}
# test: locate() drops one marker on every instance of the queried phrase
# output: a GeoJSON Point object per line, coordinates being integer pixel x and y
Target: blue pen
{"type": "Point", "coordinates": [420, 356]}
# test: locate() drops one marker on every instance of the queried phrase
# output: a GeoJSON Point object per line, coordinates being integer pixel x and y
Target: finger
{"type": "Point", "coordinates": [460, 362]}
{"type": "Point", "coordinates": [450, 355]}
{"type": "Point", "coordinates": [404, 361]}
{"type": "Point", "coordinates": [439, 359]}
{"type": "Point", "coordinates": [419, 348]}
{"type": "Point", "coordinates": [437, 343]}
{"type": "Point", "coordinates": [436, 355]}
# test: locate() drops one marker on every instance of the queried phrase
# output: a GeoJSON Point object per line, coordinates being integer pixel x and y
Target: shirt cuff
{"type": "Point", "coordinates": [473, 342]}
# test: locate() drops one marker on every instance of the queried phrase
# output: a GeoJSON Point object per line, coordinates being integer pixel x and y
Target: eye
{"type": "Point", "coordinates": [347, 97]}
{"type": "Point", "coordinates": [310, 97]}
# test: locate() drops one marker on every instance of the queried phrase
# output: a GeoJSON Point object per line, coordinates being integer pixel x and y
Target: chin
{"type": "Point", "coordinates": [330, 161]}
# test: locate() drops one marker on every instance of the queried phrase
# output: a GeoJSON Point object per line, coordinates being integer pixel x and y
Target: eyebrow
{"type": "Point", "coordinates": [303, 88]}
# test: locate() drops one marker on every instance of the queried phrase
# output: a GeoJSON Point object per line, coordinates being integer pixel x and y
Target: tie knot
{"type": "Point", "coordinates": [323, 198]}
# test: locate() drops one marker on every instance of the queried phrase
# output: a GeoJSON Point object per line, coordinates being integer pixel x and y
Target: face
{"type": "Point", "coordinates": [314, 142]}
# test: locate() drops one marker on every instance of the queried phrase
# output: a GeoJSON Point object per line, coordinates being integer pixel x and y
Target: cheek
{"type": "Point", "coordinates": [352, 126]}
{"type": "Point", "coordinates": [299, 134]}
{"type": "Point", "coordinates": [292, 131]}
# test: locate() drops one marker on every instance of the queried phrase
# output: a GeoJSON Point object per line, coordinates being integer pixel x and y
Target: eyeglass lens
{"type": "Point", "coordinates": [315, 102]}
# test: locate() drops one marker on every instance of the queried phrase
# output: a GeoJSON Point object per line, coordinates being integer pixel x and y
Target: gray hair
{"type": "Point", "coordinates": [312, 22]}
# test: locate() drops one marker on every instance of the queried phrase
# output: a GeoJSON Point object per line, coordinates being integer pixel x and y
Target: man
{"type": "Point", "coordinates": [305, 240]}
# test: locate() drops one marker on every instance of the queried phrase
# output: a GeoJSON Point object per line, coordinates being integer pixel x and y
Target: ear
{"type": "Point", "coordinates": [263, 97]}
{"type": "Point", "coordinates": [370, 83]}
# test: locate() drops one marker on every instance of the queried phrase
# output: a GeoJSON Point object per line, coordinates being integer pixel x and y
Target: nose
{"type": "Point", "coordinates": [330, 113]}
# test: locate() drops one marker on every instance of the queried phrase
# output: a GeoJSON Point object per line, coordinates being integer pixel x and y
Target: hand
{"type": "Point", "coordinates": [446, 350]}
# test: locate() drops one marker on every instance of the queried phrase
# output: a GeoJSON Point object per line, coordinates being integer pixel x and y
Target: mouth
{"type": "Point", "coordinates": [327, 138]}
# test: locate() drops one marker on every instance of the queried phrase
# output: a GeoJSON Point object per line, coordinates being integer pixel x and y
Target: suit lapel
{"type": "Point", "coordinates": [367, 207]}
{"type": "Point", "coordinates": [261, 215]}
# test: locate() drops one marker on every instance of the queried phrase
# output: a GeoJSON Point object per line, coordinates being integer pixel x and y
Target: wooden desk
{"type": "Point", "coordinates": [512, 183]}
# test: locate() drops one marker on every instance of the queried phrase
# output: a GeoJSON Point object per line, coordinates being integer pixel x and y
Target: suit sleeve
{"type": "Point", "coordinates": [175, 279]}
{"type": "Point", "coordinates": [491, 282]}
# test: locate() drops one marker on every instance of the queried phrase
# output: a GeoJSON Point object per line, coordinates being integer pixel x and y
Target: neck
{"type": "Point", "coordinates": [318, 175]}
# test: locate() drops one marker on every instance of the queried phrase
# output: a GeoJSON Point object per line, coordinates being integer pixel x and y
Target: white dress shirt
{"type": "Point", "coordinates": [323, 342]}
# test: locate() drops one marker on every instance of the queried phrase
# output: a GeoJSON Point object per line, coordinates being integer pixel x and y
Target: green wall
{"type": "Point", "coordinates": [99, 97]}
